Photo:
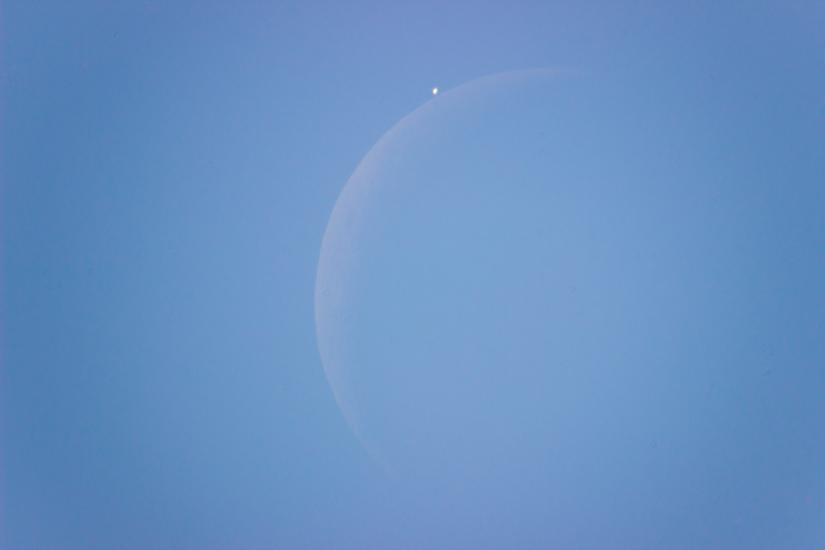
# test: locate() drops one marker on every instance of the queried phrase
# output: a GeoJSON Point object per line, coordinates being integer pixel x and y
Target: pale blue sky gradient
{"type": "Point", "coordinates": [168, 172]}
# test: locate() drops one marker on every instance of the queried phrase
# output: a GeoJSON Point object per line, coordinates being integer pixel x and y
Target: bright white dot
{"type": "Point", "coordinates": [435, 91]}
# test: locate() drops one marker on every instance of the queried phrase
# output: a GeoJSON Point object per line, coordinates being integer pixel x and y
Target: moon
{"type": "Point", "coordinates": [557, 284]}
{"type": "Point", "coordinates": [343, 250]}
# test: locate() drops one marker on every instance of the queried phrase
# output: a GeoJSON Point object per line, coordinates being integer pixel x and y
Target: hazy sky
{"type": "Point", "coordinates": [168, 172]}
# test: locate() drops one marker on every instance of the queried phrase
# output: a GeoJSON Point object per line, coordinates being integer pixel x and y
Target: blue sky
{"type": "Point", "coordinates": [168, 172]}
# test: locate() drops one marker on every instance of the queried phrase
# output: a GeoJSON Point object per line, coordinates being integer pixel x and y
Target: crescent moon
{"type": "Point", "coordinates": [339, 246]}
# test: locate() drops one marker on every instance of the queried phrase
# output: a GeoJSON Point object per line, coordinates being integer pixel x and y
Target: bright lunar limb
{"type": "Point", "coordinates": [435, 91]}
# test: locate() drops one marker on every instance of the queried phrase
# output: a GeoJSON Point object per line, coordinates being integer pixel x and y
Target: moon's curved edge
{"type": "Point", "coordinates": [353, 197]}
